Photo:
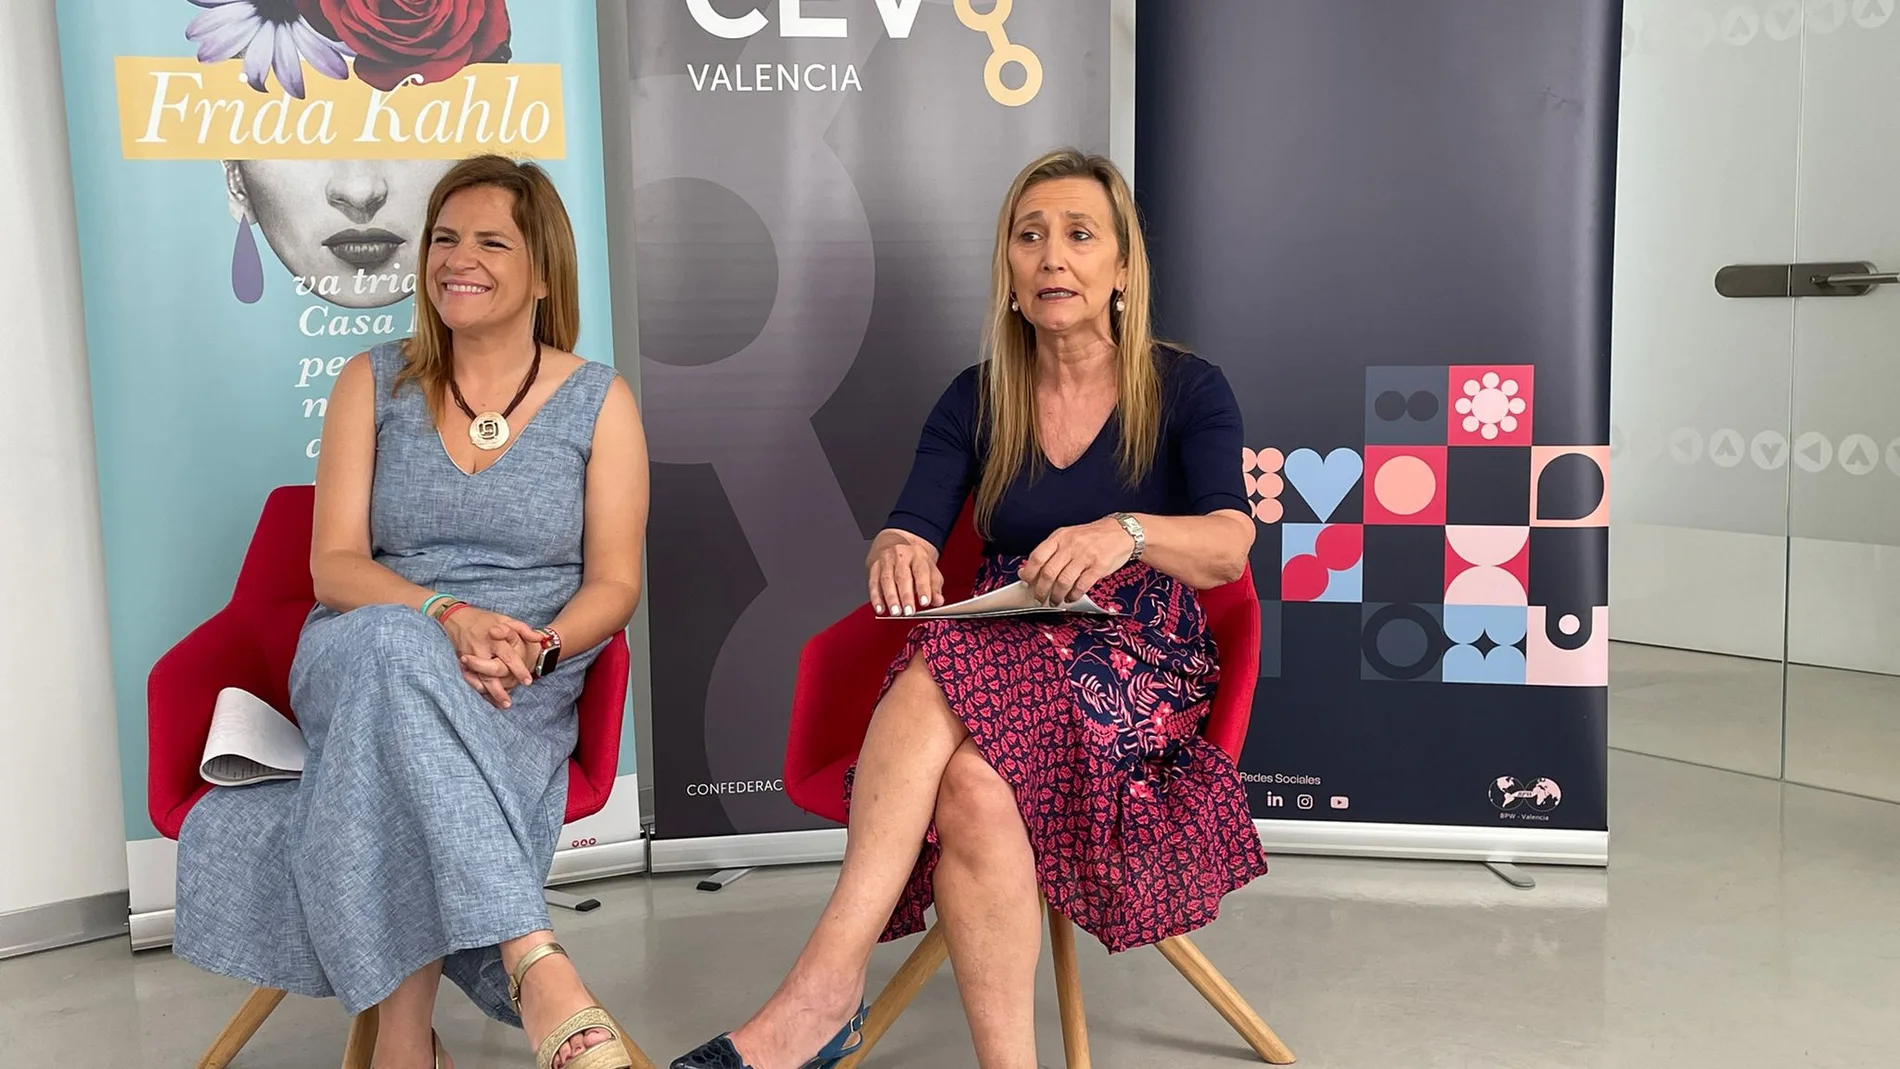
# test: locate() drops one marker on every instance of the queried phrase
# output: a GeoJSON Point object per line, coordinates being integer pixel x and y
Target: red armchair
{"type": "Point", "coordinates": [840, 672]}
{"type": "Point", "coordinates": [249, 644]}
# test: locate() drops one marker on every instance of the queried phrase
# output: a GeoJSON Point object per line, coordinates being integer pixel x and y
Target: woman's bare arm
{"type": "Point", "coordinates": [1201, 551]}
{"type": "Point", "coordinates": [615, 525]}
{"type": "Point", "coordinates": [341, 569]}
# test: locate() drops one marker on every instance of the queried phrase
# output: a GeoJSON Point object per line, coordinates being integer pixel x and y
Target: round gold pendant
{"type": "Point", "coordinates": [488, 431]}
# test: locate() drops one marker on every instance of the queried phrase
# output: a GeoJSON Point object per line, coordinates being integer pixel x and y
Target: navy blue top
{"type": "Point", "coordinates": [1197, 467]}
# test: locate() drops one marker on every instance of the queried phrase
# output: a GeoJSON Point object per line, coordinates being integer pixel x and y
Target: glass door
{"type": "Point", "coordinates": [1700, 384]}
{"type": "Point", "coordinates": [1843, 682]}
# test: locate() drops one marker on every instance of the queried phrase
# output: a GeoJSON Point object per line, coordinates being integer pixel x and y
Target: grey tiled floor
{"type": "Point", "coordinates": [1742, 923]}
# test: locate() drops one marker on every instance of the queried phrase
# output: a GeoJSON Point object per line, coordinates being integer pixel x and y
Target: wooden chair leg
{"type": "Point", "coordinates": [919, 967]}
{"type": "Point", "coordinates": [362, 1041]}
{"type": "Point", "coordinates": [242, 1026]}
{"type": "Point", "coordinates": [634, 1054]}
{"type": "Point", "coordinates": [1075, 1027]}
{"type": "Point", "coordinates": [1220, 994]}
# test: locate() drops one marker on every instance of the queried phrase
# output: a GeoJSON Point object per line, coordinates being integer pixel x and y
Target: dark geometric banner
{"type": "Point", "coordinates": [815, 191]}
{"type": "Point", "coordinates": [1390, 225]}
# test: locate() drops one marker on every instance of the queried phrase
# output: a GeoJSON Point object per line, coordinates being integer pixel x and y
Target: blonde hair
{"type": "Point", "coordinates": [1007, 396]}
{"type": "Point", "coordinates": [429, 356]}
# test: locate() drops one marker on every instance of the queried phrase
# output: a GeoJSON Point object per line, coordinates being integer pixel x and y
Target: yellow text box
{"type": "Point", "coordinates": [175, 108]}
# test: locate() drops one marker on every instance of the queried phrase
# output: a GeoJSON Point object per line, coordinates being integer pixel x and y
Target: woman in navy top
{"type": "Point", "coordinates": [1053, 757]}
{"type": "Point", "coordinates": [1196, 473]}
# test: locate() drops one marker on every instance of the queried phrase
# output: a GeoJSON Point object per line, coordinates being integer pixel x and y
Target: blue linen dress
{"type": "Point", "coordinates": [426, 819]}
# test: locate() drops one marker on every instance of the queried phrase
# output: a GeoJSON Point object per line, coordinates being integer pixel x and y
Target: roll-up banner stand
{"type": "Point", "coordinates": [251, 182]}
{"type": "Point", "coordinates": [1390, 224]}
{"type": "Point", "coordinates": [815, 191]}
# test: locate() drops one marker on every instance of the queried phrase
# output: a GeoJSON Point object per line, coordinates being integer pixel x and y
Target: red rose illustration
{"type": "Point", "coordinates": [394, 39]}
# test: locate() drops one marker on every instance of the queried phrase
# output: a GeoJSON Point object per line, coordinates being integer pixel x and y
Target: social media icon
{"type": "Point", "coordinates": [1340, 801]}
{"type": "Point", "coordinates": [1306, 801]}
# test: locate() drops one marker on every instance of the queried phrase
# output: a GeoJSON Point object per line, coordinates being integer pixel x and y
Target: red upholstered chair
{"type": "Point", "coordinates": [839, 675]}
{"type": "Point", "coordinates": [249, 644]}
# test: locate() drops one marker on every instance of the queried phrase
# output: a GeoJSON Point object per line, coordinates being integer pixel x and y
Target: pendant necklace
{"type": "Point", "coordinates": [489, 430]}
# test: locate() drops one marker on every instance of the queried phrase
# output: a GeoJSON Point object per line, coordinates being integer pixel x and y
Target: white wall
{"type": "Point", "coordinates": [1121, 87]}
{"type": "Point", "coordinates": [63, 832]}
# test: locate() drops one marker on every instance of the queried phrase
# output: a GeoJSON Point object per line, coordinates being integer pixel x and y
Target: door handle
{"type": "Point", "coordinates": [1882, 278]}
{"type": "Point", "coordinates": [1824, 279]}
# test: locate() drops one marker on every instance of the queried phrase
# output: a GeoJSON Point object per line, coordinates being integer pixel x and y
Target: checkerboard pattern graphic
{"type": "Point", "coordinates": [1475, 550]}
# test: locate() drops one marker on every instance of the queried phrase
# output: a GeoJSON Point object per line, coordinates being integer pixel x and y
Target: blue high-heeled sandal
{"type": "Point", "coordinates": [721, 1054]}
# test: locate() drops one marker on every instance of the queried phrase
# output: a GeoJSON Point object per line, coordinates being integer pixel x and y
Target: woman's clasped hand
{"type": "Point", "coordinates": [495, 651]}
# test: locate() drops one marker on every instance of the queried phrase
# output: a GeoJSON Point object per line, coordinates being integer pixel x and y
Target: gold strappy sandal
{"type": "Point", "coordinates": [609, 1053]}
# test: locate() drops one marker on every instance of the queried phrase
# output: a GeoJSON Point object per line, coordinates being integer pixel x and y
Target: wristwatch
{"type": "Point", "coordinates": [1133, 527]}
{"type": "Point", "coordinates": [550, 654]}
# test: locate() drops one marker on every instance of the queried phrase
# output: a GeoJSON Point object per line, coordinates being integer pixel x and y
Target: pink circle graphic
{"type": "Point", "coordinates": [1405, 485]}
{"type": "Point", "coordinates": [1569, 624]}
{"type": "Point", "coordinates": [1485, 586]}
{"type": "Point", "coordinates": [1487, 546]}
{"type": "Point", "coordinates": [1340, 546]}
{"type": "Point", "coordinates": [1304, 578]}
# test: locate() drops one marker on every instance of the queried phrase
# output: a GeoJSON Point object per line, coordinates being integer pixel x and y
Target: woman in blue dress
{"type": "Point", "coordinates": [481, 501]}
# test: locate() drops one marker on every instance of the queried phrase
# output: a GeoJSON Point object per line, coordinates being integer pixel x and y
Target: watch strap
{"type": "Point", "coordinates": [550, 654]}
{"type": "Point", "coordinates": [1136, 532]}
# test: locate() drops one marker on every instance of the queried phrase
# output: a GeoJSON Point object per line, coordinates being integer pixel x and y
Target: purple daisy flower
{"type": "Point", "coordinates": [271, 36]}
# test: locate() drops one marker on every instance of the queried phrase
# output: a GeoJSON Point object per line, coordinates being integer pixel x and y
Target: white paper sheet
{"type": "Point", "coordinates": [250, 742]}
{"type": "Point", "coordinates": [1012, 600]}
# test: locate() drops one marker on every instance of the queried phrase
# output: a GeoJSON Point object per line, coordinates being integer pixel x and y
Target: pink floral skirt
{"type": "Point", "coordinates": [1140, 827]}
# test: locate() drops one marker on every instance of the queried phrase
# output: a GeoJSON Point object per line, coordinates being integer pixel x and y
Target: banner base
{"type": "Point", "coordinates": [1415, 842]}
{"type": "Point", "coordinates": [747, 851]}
{"type": "Point", "coordinates": [1435, 842]}
{"type": "Point", "coordinates": [153, 930]}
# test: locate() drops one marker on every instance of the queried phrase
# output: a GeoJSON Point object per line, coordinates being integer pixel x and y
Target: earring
{"type": "Point", "coordinates": [247, 267]}
{"type": "Point", "coordinates": [1120, 305]}
{"type": "Point", "coordinates": [1012, 305]}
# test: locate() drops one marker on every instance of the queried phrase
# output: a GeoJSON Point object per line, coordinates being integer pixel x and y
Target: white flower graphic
{"type": "Point", "coordinates": [1490, 405]}
{"type": "Point", "coordinates": [271, 35]}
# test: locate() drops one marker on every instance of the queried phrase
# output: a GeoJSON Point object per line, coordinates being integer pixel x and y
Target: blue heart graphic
{"type": "Point", "coordinates": [1324, 483]}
